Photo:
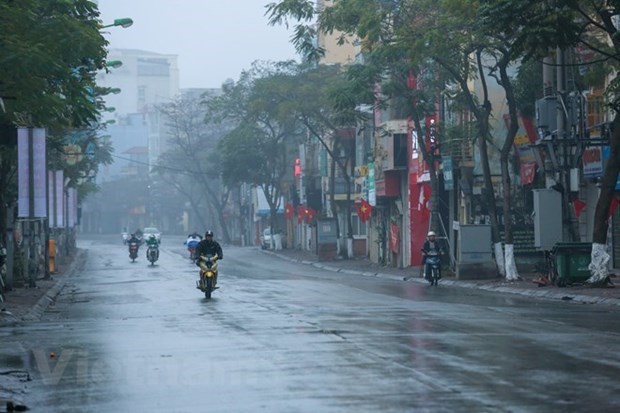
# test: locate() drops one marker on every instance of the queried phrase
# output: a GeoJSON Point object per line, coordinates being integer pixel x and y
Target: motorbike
{"type": "Point", "coordinates": [191, 247]}
{"type": "Point", "coordinates": [208, 274]}
{"type": "Point", "coordinates": [434, 263]}
{"type": "Point", "coordinates": [125, 237]}
{"type": "Point", "coordinates": [133, 250]}
{"type": "Point", "coordinates": [152, 254]}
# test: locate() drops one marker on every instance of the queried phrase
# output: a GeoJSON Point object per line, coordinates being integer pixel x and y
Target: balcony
{"type": "Point", "coordinates": [393, 146]}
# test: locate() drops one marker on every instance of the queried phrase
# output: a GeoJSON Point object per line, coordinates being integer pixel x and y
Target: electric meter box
{"type": "Point", "coordinates": [547, 218]}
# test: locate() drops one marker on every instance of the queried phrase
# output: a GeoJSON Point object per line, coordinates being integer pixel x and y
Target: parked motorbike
{"type": "Point", "coordinates": [434, 263]}
{"type": "Point", "coordinates": [133, 250]}
{"type": "Point", "coordinates": [208, 274]}
{"type": "Point", "coordinates": [152, 254]}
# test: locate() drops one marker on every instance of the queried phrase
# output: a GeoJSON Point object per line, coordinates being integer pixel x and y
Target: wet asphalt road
{"type": "Point", "coordinates": [281, 337]}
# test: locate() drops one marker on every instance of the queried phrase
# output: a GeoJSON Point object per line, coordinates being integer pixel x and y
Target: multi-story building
{"type": "Point", "coordinates": [135, 131]}
{"type": "Point", "coordinates": [145, 80]}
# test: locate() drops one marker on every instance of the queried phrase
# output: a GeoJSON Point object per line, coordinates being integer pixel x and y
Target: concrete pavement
{"type": "Point", "coordinates": [526, 287]}
{"type": "Point", "coordinates": [28, 304]}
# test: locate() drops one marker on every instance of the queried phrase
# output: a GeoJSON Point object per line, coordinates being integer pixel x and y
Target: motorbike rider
{"type": "Point", "coordinates": [192, 241]}
{"type": "Point", "coordinates": [208, 246]}
{"type": "Point", "coordinates": [134, 239]}
{"type": "Point", "coordinates": [152, 241]}
{"type": "Point", "coordinates": [431, 245]}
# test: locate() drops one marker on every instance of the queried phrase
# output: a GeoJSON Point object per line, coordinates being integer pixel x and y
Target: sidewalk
{"type": "Point", "coordinates": [525, 287]}
{"type": "Point", "coordinates": [28, 304]}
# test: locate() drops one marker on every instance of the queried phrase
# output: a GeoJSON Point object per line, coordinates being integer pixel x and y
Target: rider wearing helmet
{"type": "Point", "coordinates": [430, 245]}
{"type": "Point", "coordinates": [152, 241]}
{"type": "Point", "coordinates": [208, 246]}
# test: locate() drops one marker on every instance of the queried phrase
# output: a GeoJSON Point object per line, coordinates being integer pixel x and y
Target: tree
{"type": "Point", "coordinates": [411, 32]}
{"type": "Point", "coordinates": [256, 150]}
{"type": "Point", "coordinates": [598, 33]}
{"type": "Point", "coordinates": [193, 155]}
{"type": "Point", "coordinates": [589, 25]}
{"type": "Point", "coordinates": [321, 99]}
{"type": "Point", "coordinates": [43, 82]}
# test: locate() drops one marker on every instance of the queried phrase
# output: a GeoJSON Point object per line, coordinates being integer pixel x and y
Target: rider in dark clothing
{"type": "Point", "coordinates": [208, 247]}
{"type": "Point", "coordinates": [431, 245]}
{"type": "Point", "coordinates": [134, 239]}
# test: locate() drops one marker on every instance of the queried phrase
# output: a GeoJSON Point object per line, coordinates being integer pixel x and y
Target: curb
{"type": "Point", "coordinates": [36, 312]}
{"type": "Point", "coordinates": [542, 294]}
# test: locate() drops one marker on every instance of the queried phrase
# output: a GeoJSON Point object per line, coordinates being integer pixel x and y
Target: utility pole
{"type": "Point", "coordinates": [564, 146]}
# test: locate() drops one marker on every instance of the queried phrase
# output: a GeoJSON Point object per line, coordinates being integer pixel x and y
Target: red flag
{"type": "Point", "coordinates": [578, 205]}
{"type": "Point", "coordinates": [288, 211]}
{"type": "Point", "coordinates": [364, 210]}
{"type": "Point", "coordinates": [528, 172]}
{"type": "Point", "coordinates": [424, 200]}
{"type": "Point", "coordinates": [301, 213]}
{"type": "Point", "coordinates": [613, 206]}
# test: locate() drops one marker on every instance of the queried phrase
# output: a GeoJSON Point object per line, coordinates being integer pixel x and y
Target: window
{"type": "Point", "coordinates": [360, 229]}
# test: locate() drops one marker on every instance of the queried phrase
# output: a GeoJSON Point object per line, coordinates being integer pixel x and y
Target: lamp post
{"type": "Point", "coordinates": [123, 22]}
{"type": "Point", "coordinates": [114, 64]}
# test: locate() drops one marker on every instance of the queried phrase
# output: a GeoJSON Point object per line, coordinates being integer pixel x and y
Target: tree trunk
{"type": "Point", "coordinates": [482, 117]}
{"type": "Point", "coordinates": [510, 270]}
{"type": "Point", "coordinates": [348, 218]}
{"type": "Point", "coordinates": [600, 257]}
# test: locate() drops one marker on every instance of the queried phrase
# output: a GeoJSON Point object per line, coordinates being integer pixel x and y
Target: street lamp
{"type": "Point", "coordinates": [123, 22]}
{"type": "Point", "coordinates": [114, 64]}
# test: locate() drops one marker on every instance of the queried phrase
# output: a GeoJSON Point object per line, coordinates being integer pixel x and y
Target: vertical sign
{"type": "Point", "coordinates": [372, 193]}
{"type": "Point", "coordinates": [23, 174]}
{"type": "Point", "coordinates": [71, 207]}
{"type": "Point", "coordinates": [448, 178]}
{"type": "Point", "coordinates": [51, 201]}
{"type": "Point", "coordinates": [40, 173]}
{"type": "Point", "coordinates": [59, 197]}
{"type": "Point", "coordinates": [31, 173]}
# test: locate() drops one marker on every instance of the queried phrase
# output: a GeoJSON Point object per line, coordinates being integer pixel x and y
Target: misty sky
{"type": "Point", "coordinates": [214, 39]}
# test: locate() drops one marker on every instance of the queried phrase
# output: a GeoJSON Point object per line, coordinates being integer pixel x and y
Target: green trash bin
{"type": "Point", "coordinates": [571, 261]}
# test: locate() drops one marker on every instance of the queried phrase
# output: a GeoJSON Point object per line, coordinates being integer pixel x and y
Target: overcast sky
{"type": "Point", "coordinates": [214, 39]}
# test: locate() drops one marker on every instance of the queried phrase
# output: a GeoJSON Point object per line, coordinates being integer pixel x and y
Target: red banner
{"type": "Point", "coordinates": [420, 215]}
{"type": "Point", "coordinates": [528, 172]}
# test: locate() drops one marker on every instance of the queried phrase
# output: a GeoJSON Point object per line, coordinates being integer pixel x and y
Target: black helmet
{"type": "Point", "coordinates": [208, 234]}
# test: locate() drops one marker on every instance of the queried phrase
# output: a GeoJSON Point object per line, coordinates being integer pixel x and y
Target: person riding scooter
{"type": "Point", "coordinates": [208, 246]}
{"type": "Point", "coordinates": [191, 242]}
{"type": "Point", "coordinates": [431, 247]}
{"type": "Point", "coordinates": [152, 242]}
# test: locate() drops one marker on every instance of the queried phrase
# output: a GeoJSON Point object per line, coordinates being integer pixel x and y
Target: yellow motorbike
{"type": "Point", "coordinates": [208, 274]}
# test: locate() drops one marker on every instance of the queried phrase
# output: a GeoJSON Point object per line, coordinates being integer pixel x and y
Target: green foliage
{"type": "Point", "coordinates": [50, 51]}
{"type": "Point", "coordinates": [264, 119]}
{"type": "Point", "coordinates": [528, 87]}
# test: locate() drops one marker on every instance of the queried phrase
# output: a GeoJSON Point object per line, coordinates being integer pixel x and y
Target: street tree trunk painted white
{"type": "Point", "coordinates": [598, 264]}
{"type": "Point", "coordinates": [511, 266]}
{"type": "Point", "coordinates": [499, 258]}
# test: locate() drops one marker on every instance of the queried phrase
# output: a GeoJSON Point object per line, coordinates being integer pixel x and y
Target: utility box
{"type": "Point", "coordinates": [547, 113]}
{"type": "Point", "coordinates": [547, 218]}
{"type": "Point", "coordinates": [475, 243]}
{"type": "Point", "coordinates": [475, 255]}
{"type": "Point", "coordinates": [327, 239]}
